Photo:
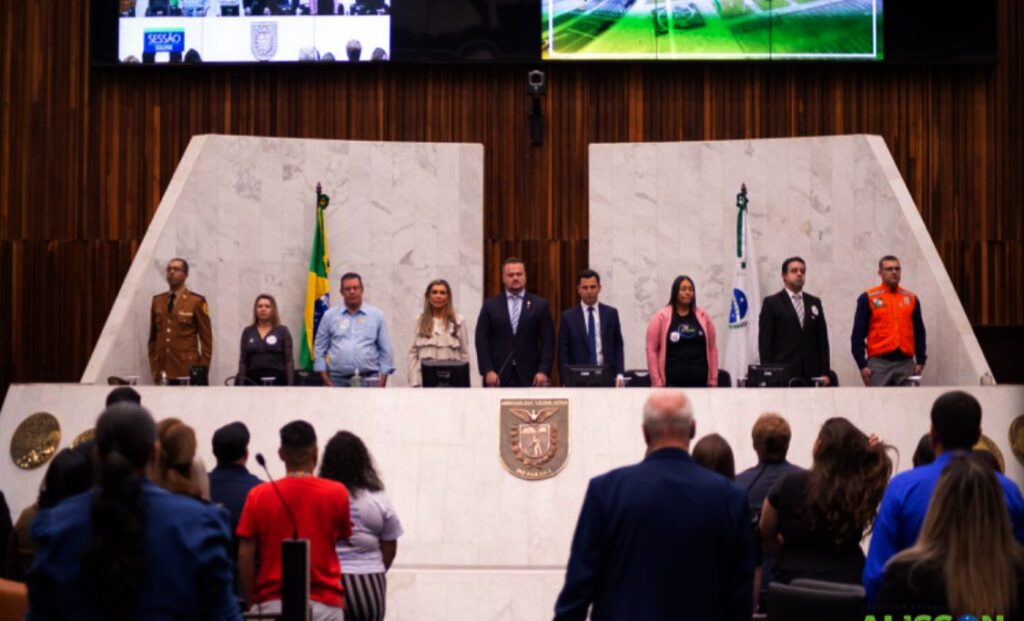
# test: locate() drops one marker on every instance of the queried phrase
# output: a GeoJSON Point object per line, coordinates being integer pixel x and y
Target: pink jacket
{"type": "Point", "coordinates": [657, 333]}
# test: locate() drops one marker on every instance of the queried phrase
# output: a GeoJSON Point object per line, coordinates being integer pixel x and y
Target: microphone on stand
{"type": "Point", "coordinates": [294, 563]}
{"type": "Point", "coordinates": [291, 516]}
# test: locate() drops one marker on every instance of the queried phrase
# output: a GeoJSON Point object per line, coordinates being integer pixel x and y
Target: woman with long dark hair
{"type": "Point", "coordinates": [368, 554]}
{"type": "Point", "coordinates": [966, 560]}
{"type": "Point", "coordinates": [128, 549]}
{"type": "Point", "coordinates": [69, 473]}
{"type": "Point", "coordinates": [440, 331]}
{"type": "Point", "coordinates": [813, 521]}
{"type": "Point", "coordinates": [681, 347]}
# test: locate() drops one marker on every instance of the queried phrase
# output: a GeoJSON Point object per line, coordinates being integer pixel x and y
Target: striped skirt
{"type": "Point", "coordinates": [365, 596]}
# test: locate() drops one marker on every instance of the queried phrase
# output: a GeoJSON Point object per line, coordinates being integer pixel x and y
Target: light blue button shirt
{"type": "Point", "coordinates": [353, 341]}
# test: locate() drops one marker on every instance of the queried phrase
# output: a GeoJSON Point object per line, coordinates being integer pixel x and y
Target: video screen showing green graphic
{"type": "Point", "coordinates": [711, 29]}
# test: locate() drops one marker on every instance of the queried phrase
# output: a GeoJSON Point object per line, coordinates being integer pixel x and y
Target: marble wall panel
{"type": "Point", "coordinates": [660, 210]}
{"type": "Point", "coordinates": [241, 211]}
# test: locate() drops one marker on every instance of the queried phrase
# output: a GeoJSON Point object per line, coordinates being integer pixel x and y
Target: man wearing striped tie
{"type": "Point", "coordinates": [792, 328]}
{"type": "Point", "coordinates": [515, 336]}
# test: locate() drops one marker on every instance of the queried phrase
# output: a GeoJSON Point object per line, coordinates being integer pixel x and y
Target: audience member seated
{"type": "Point", "coordinates": [368, 554]}
{"type": "Point", "coordinates": [69, 473]}
{"type": "Point", "coordinates": [923, 454]}
{"type": "Point", "coordinates": [353, 49]}
{"type": "Point", "coordinates": [966, 561]}
{"type": "Point", "coordinates": [128, 549]}
{"type": "Point", "coordinates": [956, 426]}
{"type": "Point", "coordinates": [714, 453]}
{"type": "Point", "coordinates": [771, 435]}
{"type": "Point", "coordinates": [813, 521]}
{"type": "Point", "coordinates": [178, 474]}
{"type": "Point", "coordinates": [321, 510]}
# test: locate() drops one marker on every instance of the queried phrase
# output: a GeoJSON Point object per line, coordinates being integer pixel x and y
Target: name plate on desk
{"type": "Point", "coordinates": [533, 437]}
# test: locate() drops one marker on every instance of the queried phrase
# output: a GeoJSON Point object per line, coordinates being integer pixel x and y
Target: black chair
{"type": "Point", "coordinates": [308, 378]}
{"type": "Point", "coordinates": [238, 380]}
{"type": "Point", "coordinates": [788, 602]}
{"type": "Point", "coordinates": [724, 379]}
{"type": "Point", "coordinates": [638, 378]}
{"type": "Point", "coordinates": [257, 376]}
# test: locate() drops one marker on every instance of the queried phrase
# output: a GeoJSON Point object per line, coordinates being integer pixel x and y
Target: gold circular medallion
{"type": "Point", "coordinates": [35, 441]}
{"type": "Point", "coordinates": [83, 437]}
{"type": "Point", "coordinates": [985, 443]}
{"type": "Point", "coordinates": [1016, 437]}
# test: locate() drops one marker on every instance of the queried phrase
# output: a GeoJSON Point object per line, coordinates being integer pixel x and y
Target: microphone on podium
{"type": "Point", "coordinates": [294, 562]}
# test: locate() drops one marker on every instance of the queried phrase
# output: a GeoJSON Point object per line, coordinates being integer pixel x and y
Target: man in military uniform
{"type": "Point", "coordinates": [177, 319]}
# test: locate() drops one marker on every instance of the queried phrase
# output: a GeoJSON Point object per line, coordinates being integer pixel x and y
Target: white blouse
{"type": "Point", "coordinates": [444, 343]}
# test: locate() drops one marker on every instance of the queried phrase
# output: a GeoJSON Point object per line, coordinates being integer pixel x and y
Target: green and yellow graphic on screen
{"type": "Point", "coordinates": [712, 29]}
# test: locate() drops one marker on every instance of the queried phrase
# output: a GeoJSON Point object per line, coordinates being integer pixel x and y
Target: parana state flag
{"type": "Point", "coordinates": [745, 307]}
{"type": "Point", "coordinates": [318, 286]}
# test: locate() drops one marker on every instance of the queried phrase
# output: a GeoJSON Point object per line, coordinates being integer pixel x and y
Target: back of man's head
{"type": "Point", "coordinates": [771, 435]}
{"type": "Point", "coordinates": [668, 419]}
{"type": "Point", "coordinates": [298, 442]}
{"type": "Point", "coordinates": [956, 421]}
{"type": "Point", "coordinates": [230, 443]}
{"type": "Point", "coordinates": [123, 394]}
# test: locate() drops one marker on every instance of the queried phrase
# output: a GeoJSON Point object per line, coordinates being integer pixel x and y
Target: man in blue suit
{"type": "Point", "coordinates": [589, 333]}
{"type": "Point", "coordinates": [515, 337]}
{"type": "Point", "coordinates": [664, 538]}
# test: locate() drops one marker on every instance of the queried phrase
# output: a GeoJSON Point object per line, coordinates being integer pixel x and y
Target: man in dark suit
{"type": "Point", "coordinates": [589, 333]}
{"type": "Point", "coordinates": [792, 327]}
{"type": "Point", "coordinates": [515, 336]}
{"type": "Point", "coordinates": [664, 538]}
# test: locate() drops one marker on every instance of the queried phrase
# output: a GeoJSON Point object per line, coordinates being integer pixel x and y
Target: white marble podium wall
{"type": "Point", "coordinates": [658, 210]}
{"type": "Point", "coordinates": [480, 543]}
{"type": "Point", "coordinates": [242, 211]}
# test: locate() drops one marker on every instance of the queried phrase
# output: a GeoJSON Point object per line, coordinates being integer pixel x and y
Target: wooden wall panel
{"type": "Point", "coordinates": [85, 154]}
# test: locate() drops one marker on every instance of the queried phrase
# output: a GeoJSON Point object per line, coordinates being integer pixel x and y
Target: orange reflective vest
{"type": "Point", "coordinates": [892, 321]}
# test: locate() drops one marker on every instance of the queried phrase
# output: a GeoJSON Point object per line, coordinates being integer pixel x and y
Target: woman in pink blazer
{"type": "Point", "coordinates": [681, 349]}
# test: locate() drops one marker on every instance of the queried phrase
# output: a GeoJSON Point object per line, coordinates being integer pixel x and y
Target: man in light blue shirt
{"type": "Point", "coordinates": [352, 338]}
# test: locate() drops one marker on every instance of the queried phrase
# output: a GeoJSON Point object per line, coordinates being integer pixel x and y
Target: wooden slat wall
{"type": "Point", "coordinates": [85, 155]}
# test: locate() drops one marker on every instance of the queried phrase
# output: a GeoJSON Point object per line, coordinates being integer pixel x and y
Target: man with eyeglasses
{"type": "Point", "coordinates": [888, 332]}
{"type": "Point", "coordinates": [180, 335]}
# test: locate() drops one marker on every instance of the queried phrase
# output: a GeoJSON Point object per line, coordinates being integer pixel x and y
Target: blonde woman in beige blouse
{"type": "Point", "coordinates": [440, 331]}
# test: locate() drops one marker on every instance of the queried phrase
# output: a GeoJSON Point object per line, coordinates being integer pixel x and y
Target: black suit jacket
{"type": "Point", "coordinates": [781, 340]}
{"type": "Point", "coordinates": [662, 539]}
{"type": "Point", "coordinates": [528, 352]}
{"type": "Point", "coordinates": [573, 346]}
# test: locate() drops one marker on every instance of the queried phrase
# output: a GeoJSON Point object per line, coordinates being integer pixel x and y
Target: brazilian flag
{"type": "Point", "coordinates": [318, 287]}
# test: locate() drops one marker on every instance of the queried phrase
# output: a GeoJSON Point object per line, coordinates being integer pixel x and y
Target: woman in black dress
{"type": "Point", "coordinates": [966, 561]}
{"type": "Point", "coordinates": [266, 348]}
{"type": "Point", "coordinates": [813, 521]}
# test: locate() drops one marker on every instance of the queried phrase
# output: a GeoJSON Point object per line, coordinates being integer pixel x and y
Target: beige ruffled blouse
{"type": "Point", "coordinates": [444, 343]}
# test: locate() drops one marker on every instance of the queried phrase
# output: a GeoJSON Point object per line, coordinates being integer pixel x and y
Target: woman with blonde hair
{"type": "Point", "coordinates": [266, 347]}
{"type": "Point", "coordinates": [813, 521]}
{"type": "Point", "coordinates": [966, 560]}
{"type": "Point", "coordinates": [440, 331]}
{"type": "Point", "coordinates": [181, 472]}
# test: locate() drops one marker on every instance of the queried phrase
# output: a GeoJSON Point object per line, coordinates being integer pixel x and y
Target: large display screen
{"type": "Point", "coordinates": [711, 29]}
{"type": "Point", "coordinates": [158, 31]}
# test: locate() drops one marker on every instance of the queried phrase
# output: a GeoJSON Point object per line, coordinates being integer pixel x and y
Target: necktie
{"type": "Point", "coordinates": [798, 304]}
{"type": "Point", "coordinates": [170, 302]}
{"type": "Point", "coordinates": [591, 335]}
{"type": "Point", "coordinates": [516, 310]}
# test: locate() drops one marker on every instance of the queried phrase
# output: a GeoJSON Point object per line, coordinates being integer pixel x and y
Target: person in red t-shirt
{"type": "Point", "coordinates": [322, 513]}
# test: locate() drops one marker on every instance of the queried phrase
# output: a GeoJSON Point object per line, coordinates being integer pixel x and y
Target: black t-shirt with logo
{"type": "Point", "coordinates": [686, 352]}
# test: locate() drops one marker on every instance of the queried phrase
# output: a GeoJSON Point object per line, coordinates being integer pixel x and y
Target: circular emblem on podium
{"type": "Point", "coordinates": [83, 437]}
{"type": "Point", "coordinates": [1016, 437]}
{"type": "Point", "coordinates": [35, 441]}
{"type": "Point", "coordinates": [985, 443]}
